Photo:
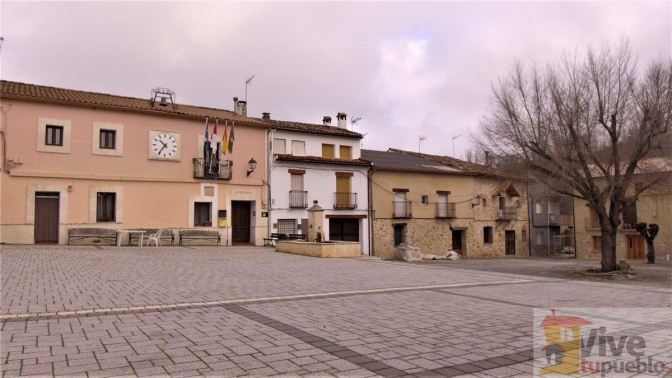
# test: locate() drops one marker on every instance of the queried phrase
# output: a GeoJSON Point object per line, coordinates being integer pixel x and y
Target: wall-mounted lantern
{"type": "Point", "coordinates": [478, 201]}
{"type": "Point", "coordinates": [253, 165]}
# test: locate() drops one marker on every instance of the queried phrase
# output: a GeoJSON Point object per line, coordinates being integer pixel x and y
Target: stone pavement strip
{"type": "Point", "coordinates": [238, 311]}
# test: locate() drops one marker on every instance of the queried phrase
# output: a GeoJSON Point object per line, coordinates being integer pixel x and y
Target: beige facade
{"type": "Point", "coordinates": [653, 206]}
{"type": "Point", "coordinates": [441, 211]}
{"type": "Point", "coordinates": [143, 189]}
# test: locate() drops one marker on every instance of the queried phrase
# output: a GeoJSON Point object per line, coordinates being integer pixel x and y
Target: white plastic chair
{"type": "Point", "coordinates": [156, 237]}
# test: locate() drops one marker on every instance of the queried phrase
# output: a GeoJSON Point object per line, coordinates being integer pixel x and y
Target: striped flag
{"type": "Point", "coordinates": [214, 138]}
{"type": "Point", "coordinates": [231, 138]}
{"type": "Point", "coordinates": [207, 141]}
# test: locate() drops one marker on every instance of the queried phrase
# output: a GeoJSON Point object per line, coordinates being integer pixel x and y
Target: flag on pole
{"type": "Point", "coordinates": [214, 138]}
{"type": "Point", "coordinates": [225, 139]}
{"type": "Point", "coordinates": [231, 137]}
{"type": "Point", "coordinates": [207, 141]}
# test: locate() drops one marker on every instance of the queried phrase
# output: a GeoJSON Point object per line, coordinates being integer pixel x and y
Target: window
{"type": "Point", "coordinates": [484, 202]}
{"type": "Point", "coordinates": [550, 204]}
{"type": "Point", "coordinates": [540, 238]}
{"type": "Point", "coordinates": [523, 235]}
{"type": "Point", "coordinates": [402, 208]}
{"type": "Point", "coordinates": [202, 212]}
{"type": "Point", "coordinates": [297, 196]}
{"type": "Point", "coordinates": [425, 199]}
{"type": "Point", "coordinates": [594, 220]}
{"type": "Point", "coordinates": [298, 148]}
{"type": "Point", "coordinates": [538, 208]}
{"type": "Point", "coordinates": [399, 234]}
{"type": "Point", "coordinates": [54, 135]}
{"type": "Point", "coordinates": [487, 235]}
{"type": "Point", "coordinates": [327, 150]}
{"type": "Point", "coordinates": [442, 206]}
{"type": "Point", "coordinates": [344, 198]}
{"type": "Point", "coordinates": [566, 334]}
{"type": "Point", "coordinates": [345, 152]}
{"type": "Point", "coordinates": [630, 216]}
{"type": "Point", "coordinates": [597, 243]}
{"type": "Point", "coordinates": [502, 203]}
{"type": "Point", "coordinates": [288, 226]}
{"type": "Point", "coordinates": [108, 139]}
{"type": "Point", "coordinates": [106, 205]}
{"type": "Point", "coordinates": [279, 146]}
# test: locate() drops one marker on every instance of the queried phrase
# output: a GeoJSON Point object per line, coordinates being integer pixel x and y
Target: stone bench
{"type": "Point", "coordinates": [92, 233]}
{"type": "Point", "coordinates": [166, 236]}
{"type": "Point", "coordinates": [200, 235]}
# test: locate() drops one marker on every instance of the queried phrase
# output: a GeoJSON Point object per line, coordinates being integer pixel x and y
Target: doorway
{"type": "Point", "coordinates": [240, 222]}
{"type": "Point", "coordinates": [46, 217]}
{"type": "Point", "coordinates": [510, 242]}
{"type": "Point", "coordinates": [457, 241]}
{"type": "Point", "coordinates": [636, 249]}
{"type": "Point", "coordinates": [345, 229]}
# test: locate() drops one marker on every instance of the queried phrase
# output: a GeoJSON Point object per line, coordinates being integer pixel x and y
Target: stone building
{"type": "Point", "coordinates": [440, 203]}
{"type": "Point", "coordinates": [653, 205]}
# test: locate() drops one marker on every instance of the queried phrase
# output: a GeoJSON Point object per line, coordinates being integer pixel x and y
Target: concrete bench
{"type": "Point", "coordinates": [166, 236]}
{"type": "Point", "coordinates": [274, 237]}
{"type": "Point", "coordinates": [200, 235]}
{"type": "Point", "coordinates": [92, 233]}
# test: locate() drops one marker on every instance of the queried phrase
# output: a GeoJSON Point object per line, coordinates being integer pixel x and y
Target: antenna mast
{"type": "Point", "coordinates": [246, 83]}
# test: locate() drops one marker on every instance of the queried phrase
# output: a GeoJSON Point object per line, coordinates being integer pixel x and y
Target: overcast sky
{"type": "Point", "coordinates": [408, 69]}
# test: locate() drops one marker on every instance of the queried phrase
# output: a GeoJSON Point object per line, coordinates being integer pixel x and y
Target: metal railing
{"type": "Point", "coordinates": [345, 200]}
{"type": "Point", "coordinates": [213, 169]}
{"type": "Point", "coordinates": [298, 198]}
{"type": "Point", "coordinates": [507, 213]}
{"type": "Point", "coordinates": [445, 210]}
{"type": "Point", "coordinates": [401, 209]}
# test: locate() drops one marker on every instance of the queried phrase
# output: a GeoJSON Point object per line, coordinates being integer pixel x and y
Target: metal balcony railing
{"type": "Point", "coordinates": [298, 199]}
{"type": "Point", "coordinates": [213, 169]}
{"type": "Point", "coordinates": [507, 213]}
{"type": "Point", "coordinates": [401, 209]}
{"type": "Point", "coordinates": [345, 201]}
{"type": "Point", "coordinates": [445, 210]}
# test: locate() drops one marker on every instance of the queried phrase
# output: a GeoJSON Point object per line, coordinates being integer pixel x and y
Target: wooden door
{"type": "Point", "coordinates": [46, 218]}
{"type": "Point", "coordinates": [457, 241]}
{"type": "Point", "coordinates": [343, 190]}
{"type": "Point", "coordinates": [636, 248]}
{"type": "Point", "coordinates": [346, 229]}
{"type": "Point", "coordinates": [510, 242]}
{"type": "Point", "coordinates": [240, 221]}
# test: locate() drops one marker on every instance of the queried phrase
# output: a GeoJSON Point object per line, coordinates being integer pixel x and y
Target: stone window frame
{"type": "Point", "coordinates": [118, 149]}
{"type": "Point", "coordinates": [42, 145]}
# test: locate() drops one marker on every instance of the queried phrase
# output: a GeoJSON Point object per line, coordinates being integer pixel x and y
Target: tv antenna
{"type": "Point", "coordinates": [420, 139]}
{"type": "Point", "coordinates": [246, 84]}
{"type": "Point", "coordinates": [353, 121]}
{"type": "Point", "coordinates": [455, 137]}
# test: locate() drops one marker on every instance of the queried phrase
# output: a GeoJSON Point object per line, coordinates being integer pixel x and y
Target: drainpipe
{"type": "Point", "coordinates": [370, 208]}
{"type": "Point", "coordinates": [269, 167]}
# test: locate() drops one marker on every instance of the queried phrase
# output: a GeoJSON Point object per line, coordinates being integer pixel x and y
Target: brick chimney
{"type": "Point", "coordinates": [266, 116]}
{"type": "Point", "coordinates": [326, 121]}
{"type": "Point", "coordinates": [342, 120]}
{"type": "Point", "coordinates": [239, 107]}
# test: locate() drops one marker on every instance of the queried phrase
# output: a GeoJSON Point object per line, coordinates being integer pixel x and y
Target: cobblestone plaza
{"type": "Point", "coordinates": [230, 311]}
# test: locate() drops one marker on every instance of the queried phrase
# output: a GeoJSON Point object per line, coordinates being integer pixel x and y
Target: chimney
{"type": "Point", "coordinates": [326, 121]}
{"type": "Point", "coordinates": [242, 108]}
{"type": "Point", "coordinates": [342, 120]}
{"type": "Point", "coordinates": [235, 105]}
{"type": "Point", "coordinates": [487, 157]}
{"type": "Point", "coordinates": [266, 116]}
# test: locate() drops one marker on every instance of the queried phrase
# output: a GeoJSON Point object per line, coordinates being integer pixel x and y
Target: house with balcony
{"type": "Point", "coordinates": [551, 222]}
{"type": "Point", "coordinates": [440, 203]}
{"type": "Point", "coordinates": [653, 204]}
{"type": "Point", "coordinates": [317, 162]}
{"type": "Point", "coordinates": [78, 159]}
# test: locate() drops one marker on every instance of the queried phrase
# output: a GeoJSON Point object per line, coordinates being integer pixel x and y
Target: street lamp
{"type": "Point", "coordinates": [253, 165]}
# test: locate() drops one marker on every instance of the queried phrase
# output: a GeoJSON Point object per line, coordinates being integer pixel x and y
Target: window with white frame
{"type": "Point", "coordinates": [298, 148]}
{"type": "Point", "coordinates": [279, 146]}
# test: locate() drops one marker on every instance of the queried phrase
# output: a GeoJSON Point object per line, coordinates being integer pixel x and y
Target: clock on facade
{"type": "Point", "coordinates": [164, 145]}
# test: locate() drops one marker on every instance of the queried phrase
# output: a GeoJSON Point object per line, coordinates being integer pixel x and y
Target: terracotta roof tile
{"type": "Point", "coordinates": [321, 160]}
{"type": "Point", "coordinates": [310, 128]}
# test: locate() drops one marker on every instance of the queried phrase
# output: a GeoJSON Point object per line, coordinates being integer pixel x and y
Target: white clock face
{"type": "Point", "coordinates": [164, 145]}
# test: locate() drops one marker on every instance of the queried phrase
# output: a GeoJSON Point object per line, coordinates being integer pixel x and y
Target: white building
{"type": "Point", "coordinates": [321, 163]}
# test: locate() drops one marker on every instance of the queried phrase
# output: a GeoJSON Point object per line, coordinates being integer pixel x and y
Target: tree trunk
{"type": "Point", "coordinates": [608, 250]}
{"type": "Point", "coordinates": [650, 252]}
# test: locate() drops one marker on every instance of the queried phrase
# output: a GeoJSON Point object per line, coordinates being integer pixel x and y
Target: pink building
{"type": "Point", "coordinates": [74, 159]}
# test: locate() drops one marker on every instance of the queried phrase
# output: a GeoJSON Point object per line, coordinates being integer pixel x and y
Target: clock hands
{"type": "Point", "coordinates": [162, 148]}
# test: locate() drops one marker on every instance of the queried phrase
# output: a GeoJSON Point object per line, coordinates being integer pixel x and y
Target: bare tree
{"type": "Point", "coordinates": [587, 122]}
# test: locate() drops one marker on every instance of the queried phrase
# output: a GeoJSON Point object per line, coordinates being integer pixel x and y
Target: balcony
{"type": "Point", "coordinates": [298, 199]}
{"type": "Point", "coordinates": [507, 213]}
{"type": "Point", "coordinates": [560, 220]}
{"type": "Point", "coordinates": [402, 209]}
{"type": "Point", "coordinates": [345, 201]}
{"type": "Point", "coordinates": [212, 169]}
{"type": "Point", "coordinates": [445, 210]}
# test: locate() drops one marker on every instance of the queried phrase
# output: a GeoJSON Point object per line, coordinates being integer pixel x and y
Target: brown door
{"type": "Point", "coordinates": [344, 229]}
{"type": "Point", "coordinates": [240, 222]}
{"type": "Point", "coordinates": [636, 249]}
{"type": "Point", "coordinates": [342, 192]}
{"type": "Point", "coordinates": [510, 242]}
{"type": "Point", "coordinates": [46, 218]}
{"type": "Point", "coordinates": [457, 241]}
